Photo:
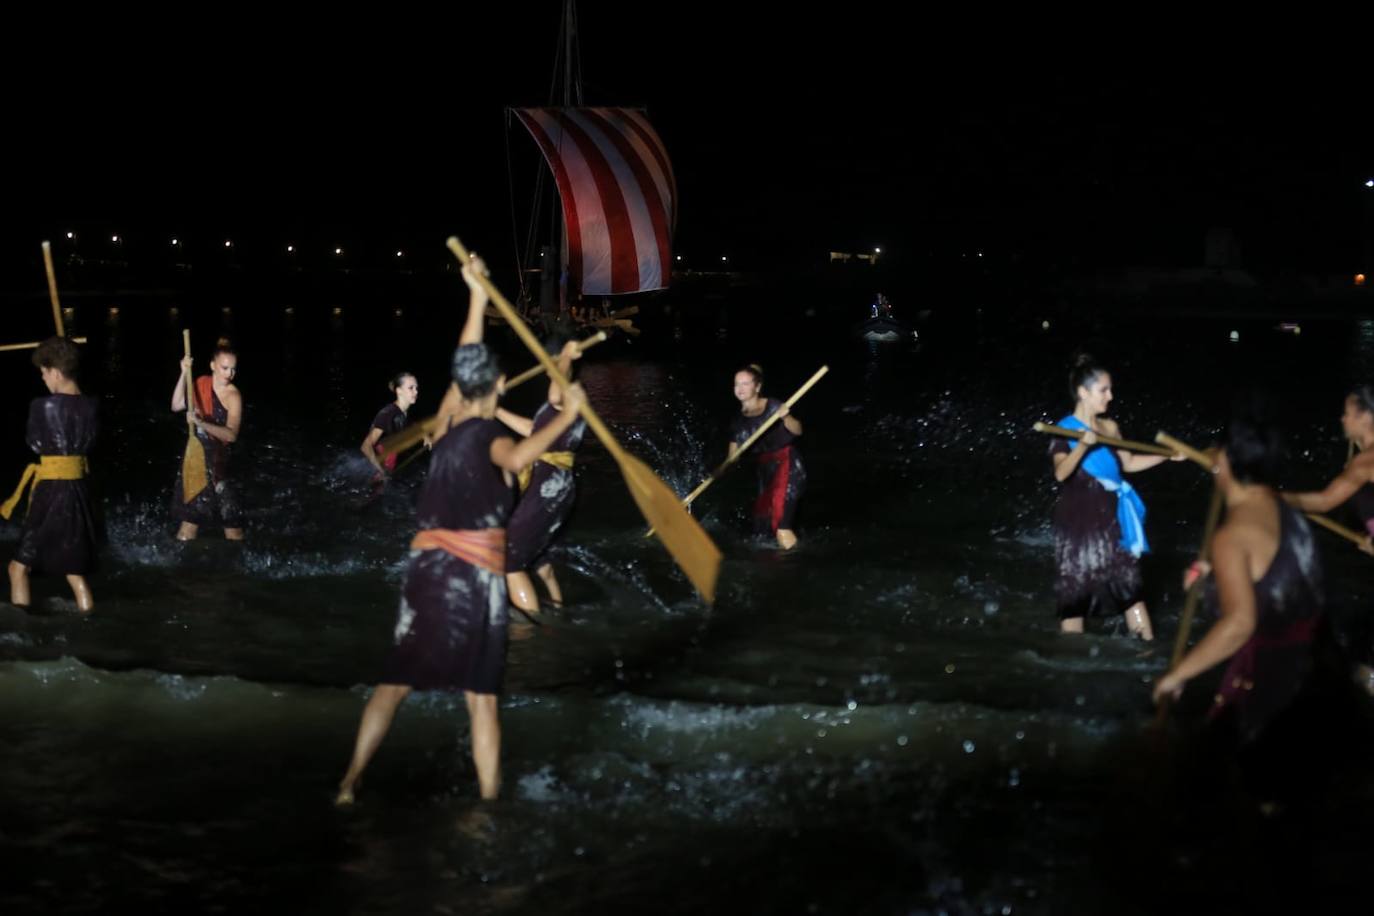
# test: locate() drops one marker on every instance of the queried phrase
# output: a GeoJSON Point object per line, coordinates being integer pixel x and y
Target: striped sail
{"type": "Point", "coordinates": [618, 192]}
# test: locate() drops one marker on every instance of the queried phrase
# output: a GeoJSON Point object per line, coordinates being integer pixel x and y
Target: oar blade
{"type": "Point", "coordinates": [194, 478]}
{"type": "Point", "coordinates": [688, 543]}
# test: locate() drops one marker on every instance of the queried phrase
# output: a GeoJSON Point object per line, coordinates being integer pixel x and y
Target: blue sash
{"type": "Point", "coordinates": [1101, 464]}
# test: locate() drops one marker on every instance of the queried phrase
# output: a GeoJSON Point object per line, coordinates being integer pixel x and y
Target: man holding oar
{"type": "Point", "coordinates": [451, 631]}
{"type": "Point", "coordinates": [1099, 520]}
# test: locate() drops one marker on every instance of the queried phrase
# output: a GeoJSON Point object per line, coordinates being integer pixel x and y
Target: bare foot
{"type": "Point", "coordinates": [786, 539]}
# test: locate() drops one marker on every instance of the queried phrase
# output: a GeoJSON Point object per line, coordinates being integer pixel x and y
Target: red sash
{"type": "Point", "coordinates": [773, 499]}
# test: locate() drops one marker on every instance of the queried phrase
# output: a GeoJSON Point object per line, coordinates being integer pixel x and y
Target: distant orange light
{"type": "Point", "coordinates": [1359, 279]}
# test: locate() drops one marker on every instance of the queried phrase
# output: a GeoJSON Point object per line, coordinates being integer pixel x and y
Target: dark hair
{"type": "Point", "coordinates": [753, 369]}
{"type": "Point", "coordinates": [58, 353]}
{"type": "Point", "coordinates": [475, 370]}
{"type": "Point", "coordinates": [1254, 446]}
{"type": "Point", "coordinates": [1084, 372]}
{"type": "Point", "coordinates": [1364, 397]}
{"type": "Point", "coordinates": [397, 379]}
{"type": "Point", "coordinates": [223, 346]}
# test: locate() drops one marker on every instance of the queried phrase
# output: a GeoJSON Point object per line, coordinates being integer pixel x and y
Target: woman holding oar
{"type": "Point", "coordinates": [1099, 520]}
{"type": "Point", "coordinates": [451, 630]}
{"type": "Point", "coordinates": [390, 419]}
{"type": "Point", "coordinates": [1266, 589]}
{"type": "Point", "coordinates": [1356, 482]}
{"type": "Point", "coordinates": [782, 476]}
{"type": "Point", "coordinates": [547, 491]}
{"type": "Point", "coordinates": [217, 416]}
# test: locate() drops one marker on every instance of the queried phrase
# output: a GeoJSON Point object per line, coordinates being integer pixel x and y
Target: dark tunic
{"type": "Point", "coordinates": [451, 629]}
{"type": "Point", "coordinates": [219, 505]}
{"type": "Point", "coordinates": [547, 502]}
{"type": "Point", "coordinates": [390, 419]}
{"type": "Point", "coordinates": [1266, 674]}
{"type": "Point", "coordinates": [1095, 575]}
{"type": "Point", "coordinates": [781, 474]}
{"type": "Point", "coordinates": [1363, 501]}
{"type": "Point", "coordinates": [59, 531]}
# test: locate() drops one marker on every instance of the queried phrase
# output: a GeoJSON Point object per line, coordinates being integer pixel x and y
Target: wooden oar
{"type": "Point", "coordinates": [1185, 622]}
{"type": "Point", "coordinates": [744, 446]}
{"type": "Point", "coordinates": [31, 345]}
{"type": "Point", "coordinates": [193, 473]}
{"type": "Point", "coordinates": [412, 434]}
{"type": "Point", "coordinates": [1203, 459]}
{"type": "Point", "coordinates": [688, 543]}
{"type": "Point", "coordinates": [1141, 447]}
{"type": "Point", "coordinates": [52, 291]}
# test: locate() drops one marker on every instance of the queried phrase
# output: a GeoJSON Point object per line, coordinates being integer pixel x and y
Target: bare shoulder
{"type": "Point", "coordinates": [1110, 427]}
{"type": "Point", "coordinates": [231, 395]}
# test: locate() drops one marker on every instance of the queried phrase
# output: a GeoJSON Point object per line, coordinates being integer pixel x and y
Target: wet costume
{"type": "Point", "coordinates": [59, 533]}
{"type": "Point", "coordinates": [1363, 501]}
{"type": "Point", "coordinates": [546, 496]}
{"type": "Point", "coordinates": [1098, 534]}
{"type": "Point", "coordinates": [451, 628]}
{"type": "Point", "coordinates": [1266, 674]}
{"type": "Point", "coordinates": [390, 419]}
{"type": "Point", "coordinates": [219, 504]}
{"type": "Point", "coordinates": [782, 476]}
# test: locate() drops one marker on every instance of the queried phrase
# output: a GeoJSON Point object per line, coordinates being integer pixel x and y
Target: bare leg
{"type": "Point", "coordinates": [187, 531]}
{"type": "Point", "coordinates": [1138, 621]}
{"type": "Point", "coordinates": [377, 716]}
{"type": "Point", "coordinates": [19, 584]}
{"type": "Point", "coordinates": [85, 601]}
{"type": "Point", "coordinates": [484, 712]}
{"type": "Point", "coordinates": [522, 593]}
{"type": "Point", "coordinates": [233, 534]}
{"type": "Point", "coordinates": [545, 574]}
{"type": "Point", "coordinates": [787, 539]}
{"type": "Point", "coordinates": [1071, 625]}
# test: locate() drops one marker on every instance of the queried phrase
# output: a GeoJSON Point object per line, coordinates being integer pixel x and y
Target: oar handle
{"type": "Point", "coordinates": [1141, 447]}
{"type": "Point", "coordinates": [1185, 623]}
{"type": "Point", "coordinates": [531, 342]}
{"type": "Point", "coordinates": [1201, 458]}
{"type": "Point", "coordinates": [582, 347]}
{"type": "Point", "coordinates": [1352, 536]}
{"type": "Point", "coordinates": [52, 291]}
{"type": "Point", "coordinates": [33, 345]}
{"type": "Point", "coordinates": [190, 385]}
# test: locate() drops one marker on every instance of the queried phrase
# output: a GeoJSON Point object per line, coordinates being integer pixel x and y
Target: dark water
{"type": "Point", "coordinates": [884, 720]}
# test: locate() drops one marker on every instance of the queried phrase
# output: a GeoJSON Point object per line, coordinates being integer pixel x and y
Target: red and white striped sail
{"type": "Point", "coordinates": [618, 194]}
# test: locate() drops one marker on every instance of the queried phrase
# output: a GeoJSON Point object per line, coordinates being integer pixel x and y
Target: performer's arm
{"type": "Point", "coordinates": [369, 448]}
{"type": "Point", "coordinates": [1236, 595]}
{"type": "Point", "coordinates": [1336, 492]}
{"type": "Point", "coordinates": [1065, 463]}
{"type": "Point", "coordinates": [229, 432]}
{"type": "Point", "coordinates": [522, 425]}
{"type": "Point", "coordinates": [179, 392]}
{"type": "Point", "coordinates": [792, 424]}
{"type": "Point", "coordinates": [477, 302]}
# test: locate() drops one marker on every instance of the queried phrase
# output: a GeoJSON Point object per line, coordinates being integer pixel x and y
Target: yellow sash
{"type": "Point", "coordinates": [49, 467]}
{"type": "Point", "coordinates": [562, 460]}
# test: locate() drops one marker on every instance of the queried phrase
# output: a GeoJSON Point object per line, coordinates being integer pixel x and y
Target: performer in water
{"type": "Point", "coordinates": [390, 419]}
{"type": "Point", "coordinates": [782, 476]}
{"type": "Point", "coordinates": [1099, 520]}
{"type": "Point", "coordinates": [451, 631]}
{"type": "Point", "coordinates": [547, 491]}
{"type": "Point", "coordinates": [1354, 485]}
{"type": "Point", "coordinates": [58, 534]}
{"type": "Point", "coordinates": [218, 416]}
{"type": "Point", "coordinates": [1266, 588]}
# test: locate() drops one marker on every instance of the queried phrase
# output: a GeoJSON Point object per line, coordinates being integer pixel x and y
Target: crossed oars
{"type": "Point", "coordinates": [744, 446]}
{"type": "Point", "coordinates": [688, 543]}
{"type": "Point", "coordinates": [412, 434]}
{"type": "Point", "coordinates": [56, 307]}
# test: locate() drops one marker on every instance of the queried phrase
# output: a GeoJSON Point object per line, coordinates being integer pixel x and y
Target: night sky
{"type": "Point", "coordinates": [790, 135]}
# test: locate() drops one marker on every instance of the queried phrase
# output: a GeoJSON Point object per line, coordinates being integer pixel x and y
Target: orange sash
{"type": "Point", "coordinates": [484, 547]}
{"type": "Point", "coordinates": [205, 397]}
